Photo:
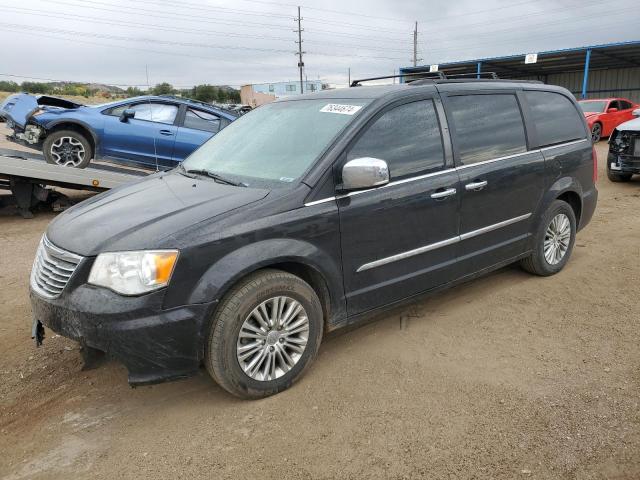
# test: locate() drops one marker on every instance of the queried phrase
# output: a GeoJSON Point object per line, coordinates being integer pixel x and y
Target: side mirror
{"type": "Point", "coordinates": [127, 114]}
{"type": "Point", "coordinates": [364, 172]}
{"type": "Point", "coordinates": [612, 110]}
{"type": "Point", "coordinates": [636, 112]}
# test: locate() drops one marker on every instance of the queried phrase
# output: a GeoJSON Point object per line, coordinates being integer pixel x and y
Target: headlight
{"type": "Point", "coordinates": [133, 273]}
{"type": "Point", "coordinates": [38, 112]}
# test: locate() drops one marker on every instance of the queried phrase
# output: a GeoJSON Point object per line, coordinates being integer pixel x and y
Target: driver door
{"type": "Point", "coordinates": [399, 239]}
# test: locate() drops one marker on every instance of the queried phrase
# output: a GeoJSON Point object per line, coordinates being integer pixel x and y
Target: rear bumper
{"type": "Point", "coordinates": [155, 345]}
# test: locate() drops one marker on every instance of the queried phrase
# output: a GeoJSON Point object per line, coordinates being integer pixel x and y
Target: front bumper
{"type": "Point", "coordinates": [623, 163]}
{"type": "Point", "coordinates": [155, 345]}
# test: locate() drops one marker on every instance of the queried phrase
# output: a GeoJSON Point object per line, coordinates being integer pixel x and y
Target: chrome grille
{"type": "Point", "coordinates": [52, 269]}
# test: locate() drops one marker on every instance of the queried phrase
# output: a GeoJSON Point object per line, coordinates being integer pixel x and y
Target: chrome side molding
{"type": "Point", "coordinates": [443, 243]}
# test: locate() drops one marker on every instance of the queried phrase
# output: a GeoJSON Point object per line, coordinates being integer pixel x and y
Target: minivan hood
{"type": "Point", "coordinates": [144, 214]}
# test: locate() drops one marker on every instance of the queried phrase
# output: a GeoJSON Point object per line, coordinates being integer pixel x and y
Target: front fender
{"type": "Point", "coordinates": [227, 271]}
{"type": "Point", "coordinates": [50, 124]}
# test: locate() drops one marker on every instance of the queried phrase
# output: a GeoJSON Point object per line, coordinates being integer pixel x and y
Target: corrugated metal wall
{"type": "Point", "coordinates": [615, 82]}
{"type": "Point", "coordinates": [619, 82]}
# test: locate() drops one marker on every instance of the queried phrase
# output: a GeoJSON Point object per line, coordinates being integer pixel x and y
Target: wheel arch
{"type": "Point", "coordinates": [76, 126]}
{"type": "Point", "coordinates": [297, 257]}
{"type": "Point", "coordinates": [567, 189]}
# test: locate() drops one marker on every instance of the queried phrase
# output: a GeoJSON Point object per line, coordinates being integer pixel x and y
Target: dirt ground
{"type": "Point", "coordinates": [509, 376]}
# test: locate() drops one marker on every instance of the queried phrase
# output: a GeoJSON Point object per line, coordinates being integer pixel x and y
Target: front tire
{"type": "Point", "coordinates": [553, 241]}
{"type": "Point", "coordinates": [264, 335]}
{"type": "Point", "coordinates": [617, 177]}
{"type": "Point", "coordinates": [67, 148]}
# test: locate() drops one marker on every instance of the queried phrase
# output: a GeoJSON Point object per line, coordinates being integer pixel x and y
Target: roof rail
{"type": "Point", "coordinates": [422, 75]}
{"type": "Point", "coordinates": [477, 75]}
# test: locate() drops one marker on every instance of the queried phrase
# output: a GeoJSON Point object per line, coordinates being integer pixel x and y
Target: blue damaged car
{"type": "Point", "coordinates": [148, 131]}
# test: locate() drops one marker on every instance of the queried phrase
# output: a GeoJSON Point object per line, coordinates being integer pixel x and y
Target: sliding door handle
{"type": "Point", "coordinates": [443, 193]}
{"type": "Point", "coordinates": [477, 185]}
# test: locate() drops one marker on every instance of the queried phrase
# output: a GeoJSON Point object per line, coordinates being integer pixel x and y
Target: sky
{"type": "Point", "coordinates": [237, 42]}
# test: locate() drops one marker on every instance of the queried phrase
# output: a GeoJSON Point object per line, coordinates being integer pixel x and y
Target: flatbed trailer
{"type": "Point", "coordinates": [26, 174]}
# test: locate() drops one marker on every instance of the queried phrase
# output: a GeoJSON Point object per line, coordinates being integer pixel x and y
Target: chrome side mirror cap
{"type": "Point", "coordinates": [636, 112]}
{"type": "Point", "coordinates": [365, 172]}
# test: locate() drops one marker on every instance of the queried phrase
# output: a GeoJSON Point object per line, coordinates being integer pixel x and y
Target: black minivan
{"type": "Point", "coordinates": [311, 213]}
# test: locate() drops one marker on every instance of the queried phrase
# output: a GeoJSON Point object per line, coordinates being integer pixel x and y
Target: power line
{"type": "Point", "coordinates": [152, 14]}
{"type": "Point", "coordinates": [146, 40]}
{"type": "Point", "coordinates": [50, 14]}
{"type": "Point", "coordinates": [127, 47]}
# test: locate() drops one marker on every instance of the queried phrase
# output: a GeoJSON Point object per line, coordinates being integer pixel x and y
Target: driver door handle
{"type": "Point", "coordinates": [477, 185]}
{"type": "Point", "coordinates": [166, 132]}
{"type": "Point", "coordinates": [443, 193]}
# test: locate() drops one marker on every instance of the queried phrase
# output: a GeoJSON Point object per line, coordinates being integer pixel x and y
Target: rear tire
{"type": "Point", "coordinates": [253, 355]}
{"type": "Point", "coordinates": [596, 132]}
{"type": "Point", "coordinates": [67, 148]}
{"type": "Point", "coordinates": [553, 241]}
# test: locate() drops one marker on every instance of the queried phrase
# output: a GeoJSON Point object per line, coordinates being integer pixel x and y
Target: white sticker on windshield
{"type": "Point", "coordinates": [342, 109]}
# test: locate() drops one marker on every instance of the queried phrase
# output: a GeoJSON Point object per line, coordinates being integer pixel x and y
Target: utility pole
{"type": "Point", "coordinates": [300, 52]}
{"type": "Point", "coordinates": [415, 45]}
{"type": "Point", "coordinates": [349, 74]}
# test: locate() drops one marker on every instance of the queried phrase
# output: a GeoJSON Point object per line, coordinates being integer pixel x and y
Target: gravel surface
{"type": "Point", "coordinates": [509, 376]}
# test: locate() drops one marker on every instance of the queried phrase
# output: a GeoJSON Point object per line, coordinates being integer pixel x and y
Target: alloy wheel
{"type": "Point", "coordinates": [557, 238]}
{"type": "Point", "coordinates": [272, 338]}
{"type": "Point", "coordinates": [67, 151]}
{"type": "Point", "coordinates": [596, 132]}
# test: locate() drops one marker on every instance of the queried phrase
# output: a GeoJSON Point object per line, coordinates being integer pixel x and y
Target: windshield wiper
{"type": "Point", "coordinates": [217, 177]}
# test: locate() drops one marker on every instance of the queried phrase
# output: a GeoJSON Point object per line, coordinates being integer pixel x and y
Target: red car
{"type": "Point", "coordinates": [605, 114]}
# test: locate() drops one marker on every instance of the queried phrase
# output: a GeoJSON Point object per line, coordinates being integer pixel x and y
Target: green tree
{"type": "Point", "coordinates": [36, 87]}
{"type": "Point", "coordinates": [163, 89]}
{"type": "Point", "coordinates": [204, 93]}
{"type": "Point", "coordinates": [133, 92]}
{"type": "Point", "coordinates": [9, 86]}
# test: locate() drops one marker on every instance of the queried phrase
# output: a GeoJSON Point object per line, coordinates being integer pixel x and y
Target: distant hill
{"type": "Point", "coordinates": [98, 87]}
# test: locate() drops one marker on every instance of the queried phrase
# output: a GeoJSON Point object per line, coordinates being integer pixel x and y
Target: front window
{"type": "Point", "coordinates": [275, 144]}
{"type": "Point", "coordinates": [593, 106]}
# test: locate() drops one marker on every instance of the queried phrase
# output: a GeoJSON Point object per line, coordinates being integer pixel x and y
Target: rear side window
{"type": "Point", "coordinates": [199, 120]}
{"type": "Point", "coordinates": [624, 105]}
{"type": "Point", "coordinates": [555, 117]}
{"type": "Point", "coordinates": [487, 127]}
{"type": "Point", "coordinates": [407, 137]}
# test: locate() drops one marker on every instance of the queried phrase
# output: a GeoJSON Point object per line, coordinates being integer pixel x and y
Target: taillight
{"type": "Point", "coordinates": [594, 157]}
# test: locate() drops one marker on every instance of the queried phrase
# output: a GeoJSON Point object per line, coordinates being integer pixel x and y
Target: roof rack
{"type": "Point", "coordinates": [422, 75]}
{"type": "Point", "coordinates": [477, 75]}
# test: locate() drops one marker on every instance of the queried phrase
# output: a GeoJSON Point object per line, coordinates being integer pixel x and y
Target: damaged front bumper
{"type": "Point", "coordinates": [32, 134]}
{"type": "Point", "coordinates": [155, 345]}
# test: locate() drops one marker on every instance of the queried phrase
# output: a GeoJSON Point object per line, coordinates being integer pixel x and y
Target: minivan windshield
{"type": "Point", "coordinates": [592, 106]}
{"type": "Point", "coordinates": [275, 144]}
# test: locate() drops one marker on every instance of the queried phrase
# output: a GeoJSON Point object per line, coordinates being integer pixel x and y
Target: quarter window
{"type": "Point", "coordinates": [407, 137]}
{"type": "Point", "coordinates": [155, 112]}
{"type": "Point", "coordinates": [487, 127]}
{"type": "Point", "coordinates": [199, 120]}
{"type": "Point", "coordinates": [555, 117]}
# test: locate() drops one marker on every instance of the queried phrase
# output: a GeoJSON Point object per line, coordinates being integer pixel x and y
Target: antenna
{"type": "Point", "coordinates": [155, 147]}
